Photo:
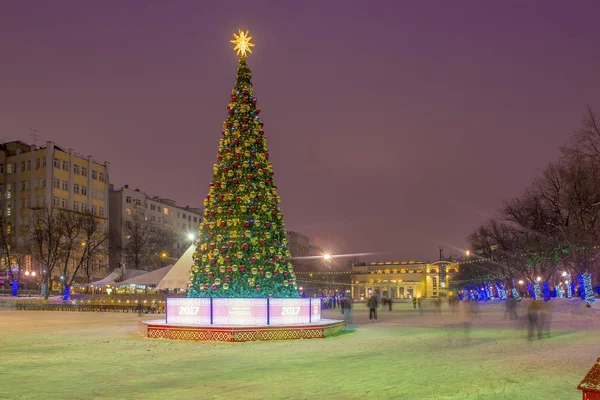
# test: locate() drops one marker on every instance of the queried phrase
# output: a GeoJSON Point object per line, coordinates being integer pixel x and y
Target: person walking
{"type": "Point", "coordinates": [390, 304]}
{"type": "Point", "coordinates": [414, 301]}
{"type": "Point", "coordinates": [372, 304]}
{"type": "Point", "coordinates": [533, 318]}
{"type": "Point", "coordinates": [343, 305]}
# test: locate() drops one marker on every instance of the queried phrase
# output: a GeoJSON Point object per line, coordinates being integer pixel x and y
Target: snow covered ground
{"type": "Point", "coordinates": [403, 355]}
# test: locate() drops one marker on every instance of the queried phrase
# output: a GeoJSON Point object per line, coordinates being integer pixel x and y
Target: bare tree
{"type": "Point", "coordinates": [11, 250]}
{"type": "Point", "coordinates": [137, 243]}
{"type": "Point", "coordinates": [45, 240]}
{"type": "Point", "coordinates": [585, 141]}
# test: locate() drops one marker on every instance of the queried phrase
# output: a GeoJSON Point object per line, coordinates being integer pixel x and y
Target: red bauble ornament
{"type": "Point", "coordinates": [213, 260]}
{"type": "Point", "coordinates": [210, 275]}
{"type": "Point", "coordinates": [246, 223]}
{"type": "Point", "coordinates": [212, 246]}
{"type": "Point", "coordinates": [258, 111]}
{"type": "Point", "coordinates": [225, 169]}
{"type": "Point", "coordinates": [227, 278]}
{"type": "Point", "coordinates": [267, 181]}
{"type": "Point", "coordinates": [257, 165]}
{"type": "Point", "coordinates": [206, 286]}
{"type": "Point", "coordinates": [249, 177]}
{"type": "Point", "coordinates": [259, 197]}
{"type": "Point", "coordinates": [257, 287]}
{"type": "Point", "coordinates": [223, 249]}
{"type": "Point", "coordinates": [276, 258]}
{"type": "Point", "coordinates": [254, 101]}
{"type": "Point", "coordinates": [275, 273]}
{"type": "Point", "coordinates": [257, 140]}
{"type": "Point", "coordinates": [267, 224]}
{"type": "Point", "coordinates": [242, 269]}
{"type": "Point", "coordinates": [273, 212]}
{"type": "Point", "coordinates": [267, 156]}
{"type": "Point", "coordinates": [226, 151]}
{"type": "Point", "coordinates": [230, 211]}
{"type": "Point", "coordinates": [245, 119]}
{"type": "Point", "coordinates": [217, 184]}
{"type": "Point", "coordinates": [262, 241]}
{"type": "Point", "coordinates": [253, 260]}
{"type": "Point", "coordinates": [229, 269]}
{"type": "Point", "coordinates": [238, 199]}
{"type": "Point", "coordinates": [223, 133]}
{"type": "Point", "coordinates": [230, 112]}
{"type": "Point", "coordinates": [244, 127]}
{"type": "Point", "coordinates": [285, 274]}
{"type": "Point", "coordinates": [212, 213]}
{"type": "Point", "coordinates": [221, 196]}
{"type": "Point", "coordinates": [227, 259]}
{"type": "Point", "coordinates": [236, 142]}
{"type": "Point", "coordinates": [245, 99]}
{"type": "Point", "coordinates": [222, 223]}
{"type": "Point", "coordinates": [234, 181]}
{"type": "Point", "coordinates": [245, 91]}
{"type": "Point", "coordinates": [207, 225]}
{"type": "Point", "coordinates": [229, 124]}
{"type": "Point", "coordinates": [261, 271]}
{"type": "Point", "coordinates": [214, 287]}
{"type": "Point", "coordinates": [245, 246]}
{"type": "Point", "coordinates": [236, 164]}
{"type": "Point", "coordinates": [262, 124]}
{"type": "Point", "coordinates": [253, 153]}
{"type": "Point", "coordinates": [238, 155]}
{"type": "Point", "coordinates": [262, 133]}
{"type": "Point", "coordinates": [232, 97]}
{"type": "Point", "coordinates": [231, 244]}
{"type": "Point", "coordinates": [219, 158]}
{"type": "Point", "coordinates": [253, 209]}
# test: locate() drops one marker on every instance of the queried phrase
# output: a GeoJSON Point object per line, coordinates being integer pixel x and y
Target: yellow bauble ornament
{"type": "Point", "coordinates": [212, 225]}
{"type": "Point", "coordinates": [256, 222]}
{"type": "Point", "coordinates": [219, 237]}
{"type": "Point", "coordinates": [234, 268]}
{"type": "Point", "coordinates": [219, 210]}
{"type": "Point", "coordinates": [239, 254]}
{"type": "Point", "coordinates": [229, 222]}
{"type": "Point", "coordinates": [217, 281]}
{"type": "Point", "coordinates": [204, 258]}
{"type": "Point", "coordinates": [247, 233]}
{"type": "Point", "coordinates": [226, 286]}
{"type": "Point", "coordinates": [261, 185]}
{"type": "Point", "coordinates": [286, 283]}
{"type": "Point", "coordinates": [281, 270]}
{"type": "Point", "coordinates": [230, 173]}
{"type": "Point", "coordinates": [263, 207]}
{"type": "Point", "coordinates": [243, 209]}
{"type": "Point", "coordinates": [268, 235]}
{"type": "Point", "coordinates": [221, 269]}
{"type": "Point", "coordinates": [254, 271]}
{"type": "Point", "coordinates": [290, 268]}
{"type": "Point", "coordinates": [252, 195]}
{"type": "Point", "coordinates": [272, 249]}
{"type": "Point", "coordinates": [268, 274]}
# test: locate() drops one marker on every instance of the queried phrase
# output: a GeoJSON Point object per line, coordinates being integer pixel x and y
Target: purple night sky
{"type": "Point", "coordinates": [393, 126]}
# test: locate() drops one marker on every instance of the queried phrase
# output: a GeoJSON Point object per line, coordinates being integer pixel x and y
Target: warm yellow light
{"type": "Point", "coordinates": [327, 257]}
{"type": "Point", "coordinates": [163, 255]}
{"type": "Point", "coordinates": [564, 274]}
{"type": "Point", "coordinates": [538, 279]}
{"type": "Point", "coordinates": [83, 244]}
{"type": "Point", "coordinates": [242, 43]}
{"type": "Point", "coordinates": [468, 252]}
{"type": "Point", "coordinates": [520, 282]}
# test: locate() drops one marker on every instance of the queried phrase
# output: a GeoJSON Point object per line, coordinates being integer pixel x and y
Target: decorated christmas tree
{"type": "Point", "coordinates": [241, 250]}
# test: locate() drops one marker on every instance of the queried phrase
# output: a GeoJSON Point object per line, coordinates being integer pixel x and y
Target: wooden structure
{"type": "Point", "coordinates": [590, 385]}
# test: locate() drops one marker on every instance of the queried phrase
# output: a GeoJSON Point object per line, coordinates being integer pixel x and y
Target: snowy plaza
{"type": "Point", "coordinates": [402, 355]}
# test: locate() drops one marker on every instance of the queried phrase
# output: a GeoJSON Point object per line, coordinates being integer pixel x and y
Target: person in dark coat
{"type": "Point", "coordinates": [372, 304]}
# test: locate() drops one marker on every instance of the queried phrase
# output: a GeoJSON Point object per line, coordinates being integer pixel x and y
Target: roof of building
{"type": "Point", "coordinates": [591, 382]}
{"type": "Point", "coordinates": [151, 278]}
{"type": "Point", "coordinates": [178, 277]}
{"type": "Point", "coordinates": [112, 278]}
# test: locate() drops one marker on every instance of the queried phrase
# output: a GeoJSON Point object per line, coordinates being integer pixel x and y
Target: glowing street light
{"type": "Point", "coordinates": [26, 273]}
{"type": "Point", "coordinates": [564, 274]}
{"type": "Point", "coordinates": [327, 257]}
{"type": "Point", "coordinates": [520, 282]}
{"type": "Point", "coordinates": [191, 236]}
{"type": "Point", "coordinates": [163, 255]}
{"type": "Point", "coordinates": [468, 253]}
{"type": "Point", "coordinates": [33, 273]}
{"type": "Point", "coordinates": [538, 279]}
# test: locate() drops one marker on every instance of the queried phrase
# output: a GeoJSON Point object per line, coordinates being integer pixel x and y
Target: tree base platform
{"type": "Point", "coordinates": [159, 329]}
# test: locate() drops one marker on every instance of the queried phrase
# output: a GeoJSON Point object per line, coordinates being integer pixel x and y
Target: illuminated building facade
{"type": "Point", "coordinates": [402, 279]}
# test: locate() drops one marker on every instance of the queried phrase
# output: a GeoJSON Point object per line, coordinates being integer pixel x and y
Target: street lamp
{"type": "Point", "coordinates": [564, 274]}
{"type": "Point", "coordinates": [468, 253]}
{"type": "Point", "coordinates": [538, 279]}
{"type": "Point", "coordinates": [327, 257]}
{"type": "Point", "coordinates": [520, 282]}
{"type": "Point", "coordinates": [191, 236]}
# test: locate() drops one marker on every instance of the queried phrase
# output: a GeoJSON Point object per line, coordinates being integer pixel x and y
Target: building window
{"type": "Point", "coordinates": [75, 206]}
{"type": "Point", "coordinates": [22, 166]}
{"type": "Point", "coordinates": [101, 177]}
{"type": "Point", "coordinates": [37, 163]}
{"type": "Point", "coordinates": [94, 209]}
{"type": "Point", "coordinates": [83, 207]}
{"type": "Point", "coordinates": [159, 209]}
{"type": "Point", "coordinates": [152, 207]}
{"type": "Point", "coordinates": [128, 200]}
{"type": "Point", "coordinates": [128, 211]}
{"type": "Point", "coordinates": [23, 204]}
{"type": "Point", "coordinates": [138, 202]}
{"type": "Point", "coordinates": [153, 218]}
{"type": "Point", "coordinates": [65, 165]}
{"type": "Point", "coordinates": [94, 174]}
{"type": "Point", "coordinates": [84, 190]}
{"type": "Point", "coordinates": [44, 162]}
{"type": "Point", "coordinates": [55, 201]}
{"type": "Point", "coordinates": [63, 203]}
{"type": "Point", "coordinates": [76, 169]}
{"type": "Point", "coordinates": [56, 183]}
{"type": "Point", "coordinates": [166, 211]}
{"type": "Point", "coordinates": [76, 188]}
{"type": "Point", "coordinates": [195, 219]}
{"type": "Point", "coordinates": [101, 193]}
{"type": "Point", "coordinates": [159, 220]}
{"type": "Point", "coordinates": [23, 183]}
{"type": "Point", "coordinates": [9, 168]}
{"type": "Point", "coordinates": [101, 211]}
{"type": "Point", "coordinates": [65, 186]}
{"type": "Point", "coordinates": [1, 168]}
{"type": "Point", "coordinates": [43, 182]}
{"type": "Point", "coordinates": [83, 171]}
{"type": "Point", "coordinates": [56, 163]}
{"type": "Point", "coordinates": [94, 193]}
{"type": "Point", "coordinates": [28, 165]}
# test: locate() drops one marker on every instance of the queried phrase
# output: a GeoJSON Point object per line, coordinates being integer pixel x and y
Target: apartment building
{"type": "Point", "coordinates": [33, 178]}
{"type": "Point", "coordinates": [127, 204]}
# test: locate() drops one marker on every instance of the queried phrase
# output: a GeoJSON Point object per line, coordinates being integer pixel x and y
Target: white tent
{"type": "Point", "coordinates": [179, 276]}
{"type": "Point", "coordinates": [116, 274]}
{"type": "Point", "coordinates": [151, 278]}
